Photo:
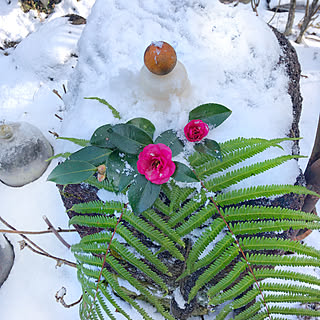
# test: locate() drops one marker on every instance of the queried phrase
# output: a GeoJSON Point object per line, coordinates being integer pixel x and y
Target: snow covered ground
{"type": "Point", "coordinates": [227, 51]}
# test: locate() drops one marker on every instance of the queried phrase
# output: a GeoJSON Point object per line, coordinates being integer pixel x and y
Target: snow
{"type": "Point", "coordinates": [230, 56]}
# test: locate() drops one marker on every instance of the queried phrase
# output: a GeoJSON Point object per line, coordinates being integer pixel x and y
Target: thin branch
{"type": "Point", "coordinates": [39, 249]}
{"type": "Point", "coordinates": [52, 228]}
{"type": "Point", "coordinates": [60, 261]}
{"type": "Point", "coordinates": [275, 12]}
{"type": "Point", "coordinates": [60, 298]}
{"type": "Point", "coordinates": [35, 232]}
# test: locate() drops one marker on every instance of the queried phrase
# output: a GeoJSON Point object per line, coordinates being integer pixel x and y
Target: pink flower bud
{"type": "Point", "coordinates": [155, 162]}
{"type": "Point", "coordinates": [196, 130]}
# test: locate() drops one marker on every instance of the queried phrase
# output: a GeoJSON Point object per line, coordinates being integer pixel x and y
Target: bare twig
{"type": "Point", "coordinates": [57, 93]}
{"type": "Point", "coordinates": [275, 12]}
{"type": "Point", "coordinates": [35, 232]}
{"type": "Point", "coordinates": [54, 134]}
{"type": "Point", "coordinates": [60, 298]}
{"type": "Point", "coordinates": [60, 261]}
{"type": "Point", "coordinates": [39, 249]}
{"type": "Point", "coordinates": [52, 228]}
{"type": "Point", "coordinates": [58, 117]}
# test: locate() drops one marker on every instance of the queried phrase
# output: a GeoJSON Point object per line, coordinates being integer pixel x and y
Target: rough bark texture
{"type": "Point", "coordinates": [291, 15]}
{"type": "Point", "coordinates": [73, 194]}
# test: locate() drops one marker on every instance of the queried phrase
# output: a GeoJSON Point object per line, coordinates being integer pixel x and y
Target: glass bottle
{"type": "Point", "coordinates": [161, 85]}
{"type": "Point", "coordinates": [23, 153]}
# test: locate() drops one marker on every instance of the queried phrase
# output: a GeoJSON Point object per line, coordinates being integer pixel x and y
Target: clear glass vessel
{"type": "Point", "coordinates": [161, 87]}
{"type": "Point", "coordinates": [23, 153]}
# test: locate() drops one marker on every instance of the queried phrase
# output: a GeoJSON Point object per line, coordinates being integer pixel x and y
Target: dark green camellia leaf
{"type": "Point", "coordinates": [128, 173]}
{"type": "Point", "coordinates": [118, 174]}
{"type": "Point", "coordinates": [142, 194]}
{"type": "Point", "coordinates": [128, 138]}
{"type": "Point", "coordinates": [72, 171]}
{"type": "Point", "coordinates": [143, 124]}
{"type": "Point", "coordinates": [210, 147]}
{"type": "Point", "coordinates": [183, 173]}
{"type": "Point", "coordinates": [92, 154]}
{"type": "Point", "coordinates": [115, 166]}
{"type": "Point", "coordinates": [170, 139]}
{"type": "Point", "coordinates": [210, 113]}
{"type": "Point", "coordinates": [100, 137]}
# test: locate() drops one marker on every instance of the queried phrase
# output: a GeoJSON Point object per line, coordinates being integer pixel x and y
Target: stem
{"type": "Point", "coordinates": [52, 228]}
{"type": "Point", "coordinates": [35, 232]}
{"type": "Point", "coordinates": [238, 244]}
{"type": "Point", "coordinates": [60, 298]}
{"type": "Point", "coordinates": [40, 250]}
{"type": "Point", "coordinates": [59, 260]}
{"type": "Point", "coordinates": [104, 260]}
{"type": "Point", "coordinates": [275, 12]}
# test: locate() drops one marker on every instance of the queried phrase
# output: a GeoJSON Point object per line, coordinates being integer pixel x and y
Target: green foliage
{"type": "Point", "coordinates": [214, 254]}
{"type": "Point", "coordinates": [210, 113]}
{"type": "Point", "coordinates": [115, 150]}
{"type": "Point", "coordinates": [115, 113]}
{"type": "Point", "coordinates": [204, 227]}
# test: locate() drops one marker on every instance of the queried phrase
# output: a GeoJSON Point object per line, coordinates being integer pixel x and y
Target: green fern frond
{"type": "Point", "coordinates": [178, 196]}
{"type": "Point", "coordinates": [262, 243]}
{"type": "Point", "coordinates": [249, 213]}
{"type": "Point", "coordinates": [249, 280]}
{"type": "Point", "coordinates": [106, 223]}
{"type": "Point", "coordinates": [134, 282]}
{"type": "Point", "coordinates": [250, 312]}
{"type": "Point", "coordinates": [232, 158]}
{"type": "Point", "coordinates": [274, 260]}
{"type": "Point", "coordinates": [235, 291]}
{"type": "Point", "coordinates": [187, 209]}
{"type": "Point", "coordinates": [218, 249]}
{"type": "Point", "coordinates": [197, 159]}
{"type": "Point", "coordinates": [235, 176]}
{"type": "Point", "coordinates": [93, 181]}
{"type": "Point", "coordinates": [294, 311]}
{"type": "Point", "coordinates": [152, 233]}
{"type": "Point", "coordinates": [289, 298]}
{"type": "Point", "coordinates": [162, 207]}
{"type": "Point", "coordinates": [203, 241]}
{"type": "Point", "coordinates": [291, 288]}
{"type": "Point", "coordinates": [232, 276]}
{"type": "Point", "coordinates": [98, 221]}
{"type": "Point", "coordinates": [271, 226]}
{"type": "Point", "coordinates": [225, 259]}
{"type": "Point", "coordinates": [287, 275]}
{"type": "Point", "coordinates": [241, 195]}
{"type": "Point", "coordinates": [197, 220]}
{"type": "Point", "coordinates": [158, 222]}
{"type": "Point", "coordinates": [122, 251]}
{"type": "Point", "coordinates": [98, 206]}
{"type": "Point", "coordinates": [110, 298]}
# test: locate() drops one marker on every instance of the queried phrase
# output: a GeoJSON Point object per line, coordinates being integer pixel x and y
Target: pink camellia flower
{"type": "Point", "coordinates": [155, 162]}
{"type": "Point", "coordinates": [196, 130]}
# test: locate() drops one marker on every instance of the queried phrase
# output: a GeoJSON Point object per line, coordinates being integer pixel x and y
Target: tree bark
{"type": "Point", "coordinates": [291, 16]}
{"type": "Point", "coordinates": [311, 10]}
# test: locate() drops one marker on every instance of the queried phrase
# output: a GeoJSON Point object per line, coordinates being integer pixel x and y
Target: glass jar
{"type": "Point", "coordinates": [23, 153]}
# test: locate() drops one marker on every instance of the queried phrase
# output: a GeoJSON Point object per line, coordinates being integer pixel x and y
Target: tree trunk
{"type": "Point", "coordinates": [291, 16]}
{"type": "Point", "coordinates": [311, 10]}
